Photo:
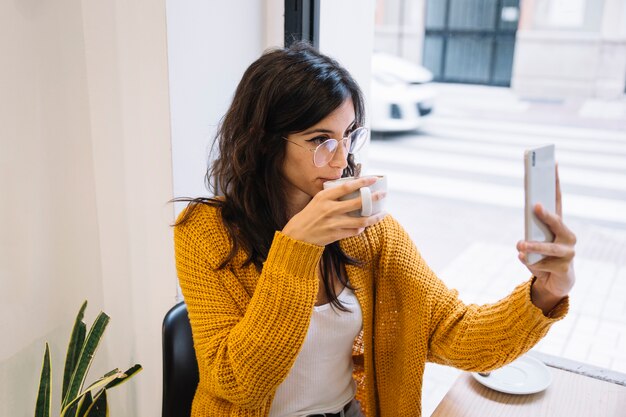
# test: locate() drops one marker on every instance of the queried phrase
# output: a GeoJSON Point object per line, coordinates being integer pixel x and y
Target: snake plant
{"type": "Point", "coordinates": [76, 401]}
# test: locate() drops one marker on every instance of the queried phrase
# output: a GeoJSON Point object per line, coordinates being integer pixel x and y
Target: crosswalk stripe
{"type": "Point", "coordinates": [569, 174]}
{"type": "Point", "coordinates": [478, 136]}
{"type": "Point", "coordinates": [499, 195]}
{"type": "Point", "coordinates": [530, 129]}
{"type": "Point", "coordinates": [503, 150]}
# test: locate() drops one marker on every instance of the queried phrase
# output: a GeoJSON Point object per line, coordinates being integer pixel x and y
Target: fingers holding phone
{"type": "Point", "coordinates": [540, 186]}
{"type": "Point", "coordinates": [548, 247]}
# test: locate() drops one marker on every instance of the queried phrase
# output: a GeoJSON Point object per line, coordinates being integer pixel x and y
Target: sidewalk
{"type": "Point", "coordinates": [502, 104]}
{"type": "Point", "coordinates": [594, 332]}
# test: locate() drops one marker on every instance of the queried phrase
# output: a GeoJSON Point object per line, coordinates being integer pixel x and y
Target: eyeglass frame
{"type": "Point", "coordinates": [343, 140]}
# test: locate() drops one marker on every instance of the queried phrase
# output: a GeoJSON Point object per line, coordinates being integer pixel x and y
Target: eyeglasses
{"type": "Point", "coordinates": [324, 152]}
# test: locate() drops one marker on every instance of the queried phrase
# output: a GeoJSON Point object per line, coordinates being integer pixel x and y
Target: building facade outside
{"type": "Point", "coordinates": [543, 49]}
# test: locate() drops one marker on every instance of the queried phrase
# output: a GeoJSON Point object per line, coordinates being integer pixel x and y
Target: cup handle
{"type": "Point", "coordinates": [366, 202]}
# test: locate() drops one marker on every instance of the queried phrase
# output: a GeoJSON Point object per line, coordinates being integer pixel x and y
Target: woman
{"type": "Point", "coordinates": [299, 309]}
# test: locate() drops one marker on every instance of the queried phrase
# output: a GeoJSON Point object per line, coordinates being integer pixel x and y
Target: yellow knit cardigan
{"type": "Point", "coordinates": [248, 327]}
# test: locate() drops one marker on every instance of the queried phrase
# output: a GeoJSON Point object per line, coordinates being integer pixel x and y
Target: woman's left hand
{"type": "Point", "coordinates": [555, 273]}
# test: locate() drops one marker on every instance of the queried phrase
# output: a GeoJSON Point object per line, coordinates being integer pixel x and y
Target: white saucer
{"type": "Point", "coordinates": [526, 375]}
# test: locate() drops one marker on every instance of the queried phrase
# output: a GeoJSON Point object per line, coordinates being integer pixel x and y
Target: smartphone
{"type": "Point", "coordinates": [539, 187]}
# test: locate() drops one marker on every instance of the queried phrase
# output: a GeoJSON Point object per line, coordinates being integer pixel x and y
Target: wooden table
{"type": "Point", "coordinates": [575, 391]}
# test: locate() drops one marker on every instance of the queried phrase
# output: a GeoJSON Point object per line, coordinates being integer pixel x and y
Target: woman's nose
{"type": "Point", "coordinates": [340, 158]}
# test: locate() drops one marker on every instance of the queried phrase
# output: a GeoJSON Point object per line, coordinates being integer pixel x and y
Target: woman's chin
{"type": "Point", "coordinates": [320, 182]}
{"type": "Point", "coordinates": [319, 186]}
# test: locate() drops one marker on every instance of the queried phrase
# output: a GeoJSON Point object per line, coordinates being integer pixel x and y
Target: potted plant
{"type": "Point", "coordinates": [76, 401]}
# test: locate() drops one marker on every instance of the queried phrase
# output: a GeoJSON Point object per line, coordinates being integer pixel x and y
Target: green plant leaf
{"type": "Point", "coordinates": [105, 380]}
{"type": "Point", "coordinates": [77, 339]}
{"type": "Point", "coordinates": [84, 404]}
{"type": "Point", "coordinates": [129, 373]}
{"type": "Point", "coordinates": [99, 407]}
{"type": "Point", "coordinates": [42, 408]}
{"type": "Point", "coordinates": [85, 359]}
{"type": "Point", "coordinates": [98, 385]}
{"type": "Point", "coordinates": [109, 380]}
{"type": "Point", "coordinates": [72, 408]}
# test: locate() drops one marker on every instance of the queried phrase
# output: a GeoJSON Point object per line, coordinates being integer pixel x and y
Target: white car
{"type": "Point", "coordinates": [401, 94]}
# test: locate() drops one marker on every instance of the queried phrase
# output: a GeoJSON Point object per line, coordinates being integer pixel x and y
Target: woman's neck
{"type": "Point", "coordinates": [297, 201]}
{"type": "Point", "coordinates": [295, 207]}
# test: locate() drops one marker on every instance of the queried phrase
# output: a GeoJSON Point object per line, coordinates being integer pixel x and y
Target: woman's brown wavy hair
{"type": "Point", "coordinates": [285, 91]}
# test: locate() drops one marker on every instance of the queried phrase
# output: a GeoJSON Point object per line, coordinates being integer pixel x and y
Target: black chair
{"type": "Point", "coordinates": [180, 368]}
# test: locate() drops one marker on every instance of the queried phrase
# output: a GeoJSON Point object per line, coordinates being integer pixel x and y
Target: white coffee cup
{"type": "Point", "coordinates": [368, 207]}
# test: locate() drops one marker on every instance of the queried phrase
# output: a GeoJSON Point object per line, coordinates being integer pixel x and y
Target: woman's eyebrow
{"type": "Point", "coordinates": [318, 130]}
{"type": "Point", "coordinates": [323, 130]}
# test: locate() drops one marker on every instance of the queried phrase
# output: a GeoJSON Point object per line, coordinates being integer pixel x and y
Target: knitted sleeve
{"type": "Point", "coordinates": [468, 337]}
{"type": "Point", "coordinates": [243, 355]}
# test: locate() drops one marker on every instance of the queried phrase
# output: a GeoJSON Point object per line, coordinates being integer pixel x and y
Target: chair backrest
{"type": "Point", "coordinates": [180, 367]}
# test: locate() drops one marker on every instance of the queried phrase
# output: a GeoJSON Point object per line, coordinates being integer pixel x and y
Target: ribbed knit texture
{"type": "Point", "coordinates": [248, 327]}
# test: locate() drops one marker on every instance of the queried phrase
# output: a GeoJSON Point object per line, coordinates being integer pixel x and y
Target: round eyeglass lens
{"type": "Point", "coordinates": [358, 139]}
{"type": "Point", "coordinates": [353, 143]}
{"type": "Point", "coordinates": [324, 153]}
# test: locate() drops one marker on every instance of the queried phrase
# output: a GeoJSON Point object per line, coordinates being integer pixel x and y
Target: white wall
{"type": "Point", "coordinates": [85, 174]}
{"type": "Point", "coordinates": [49, 254]}
{"type": "Point", "coordinates": [126, 61]}
{"type": "Point", "coordinates": [210, 46]}
{"type": "Point", "coordinates": [347, 34]}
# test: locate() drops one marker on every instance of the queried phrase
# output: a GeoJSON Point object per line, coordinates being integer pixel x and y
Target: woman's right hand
{"type": "Point", "coordinates": [325, 219]}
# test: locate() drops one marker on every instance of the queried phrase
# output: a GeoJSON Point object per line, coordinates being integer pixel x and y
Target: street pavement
{"type": "Point", "coordinates": [456, 185]}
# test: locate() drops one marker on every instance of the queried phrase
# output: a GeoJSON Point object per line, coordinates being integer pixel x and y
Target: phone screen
{"type": "Point", "coordinates": [540, 187]}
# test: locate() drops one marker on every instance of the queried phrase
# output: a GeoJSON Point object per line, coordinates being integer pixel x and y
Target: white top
{"type": "Point", "coordinates": [320, 380]}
